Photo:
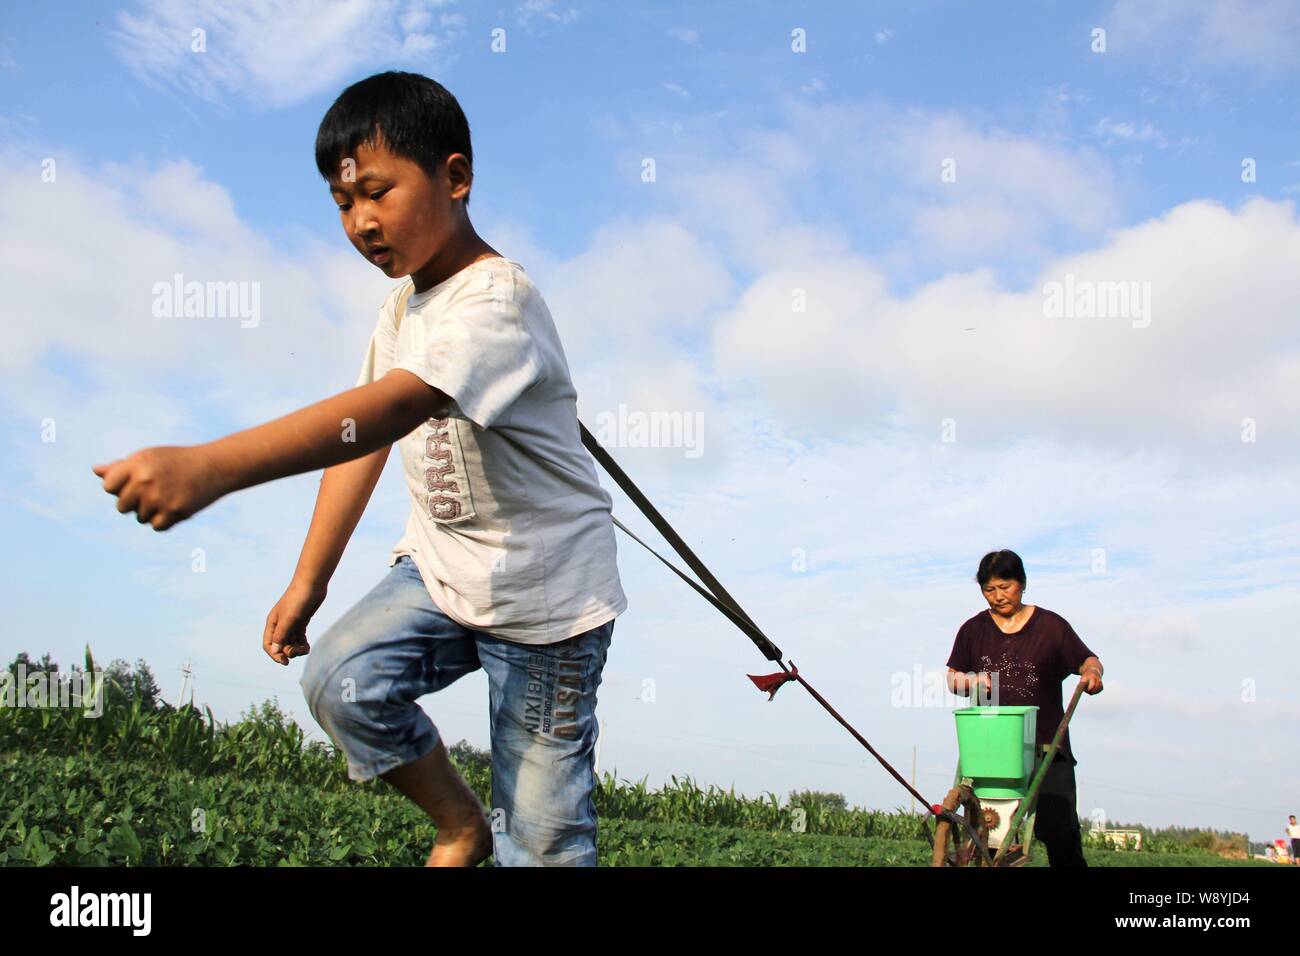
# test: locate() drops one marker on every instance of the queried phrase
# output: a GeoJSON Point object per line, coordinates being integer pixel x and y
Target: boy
{"type": "Point", "coordinates": [508, 560]}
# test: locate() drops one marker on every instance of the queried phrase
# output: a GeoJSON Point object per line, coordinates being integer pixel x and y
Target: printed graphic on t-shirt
{"type": "Point", "coordinates": [1017, 677]}
{"type": "Point", "coordinates": [445, 477]}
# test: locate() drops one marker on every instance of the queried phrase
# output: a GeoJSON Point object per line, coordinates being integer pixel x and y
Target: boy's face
{"type": "Point", "coordinates": [395, 215]}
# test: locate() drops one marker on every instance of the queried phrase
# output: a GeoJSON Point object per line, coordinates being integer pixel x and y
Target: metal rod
{"type": "Point", "coordinates": [1038, 777]}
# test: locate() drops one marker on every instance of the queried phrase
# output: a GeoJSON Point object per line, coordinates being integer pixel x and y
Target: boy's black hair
{"type": "Point", "coordinates": [1001, 564]}
{"type": "Point", "coordinates": [410, 114]}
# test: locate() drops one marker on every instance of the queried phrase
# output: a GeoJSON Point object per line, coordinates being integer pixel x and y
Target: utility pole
{"type": "Point", "coordinates": [186, 671]}
{"type": "Point", "coordinates": [912, 810]}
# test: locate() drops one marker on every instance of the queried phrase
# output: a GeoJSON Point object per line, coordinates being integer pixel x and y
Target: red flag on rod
{"type": "Point", "coordinates": [772, 682]}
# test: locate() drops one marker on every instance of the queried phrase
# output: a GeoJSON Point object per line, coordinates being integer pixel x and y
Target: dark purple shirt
{"type": "Point", "coordinates": [1031, 663]}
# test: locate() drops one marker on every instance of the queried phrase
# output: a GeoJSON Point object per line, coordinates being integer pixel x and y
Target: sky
{"type": "Point", "coordinates": [929, 279]}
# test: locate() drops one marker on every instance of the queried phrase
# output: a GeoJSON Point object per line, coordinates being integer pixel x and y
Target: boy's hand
{"type": "Point", "coordinates": [164, 485]}
{"type": "Point", "coordinates": [285, 635]}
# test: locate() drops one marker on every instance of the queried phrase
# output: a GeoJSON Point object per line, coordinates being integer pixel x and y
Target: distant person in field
{"type": "Point", "coordinates": [507, 561]}
{"type": "Point", "coordinates": [1293, 832]}
{"type": "Point", "coordinates": [1031, 650]}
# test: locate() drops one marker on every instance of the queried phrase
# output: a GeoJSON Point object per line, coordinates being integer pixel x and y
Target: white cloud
{"type": "Point", "coordinates": [1013, 195]}
{"type": "Point", "coordinates": [958, 229]}
{"type": "Point", "coordinates": [81, 257]}
{"type": "Point", "coordinates": [1185, 380]}
{"type": "Point", "coordinates": [969, 345]}
{"type": "Point", "coordinates": [1225, 705]}
{"type": "Point", "coordinates": [274, 52]}
{"type": "Point", "coordinates": [548, 10]}
{"type": "Point", "coordinates": [1252, 34]}
{"type": "Point", "coordinates": [1038, 186]}
{"type": "Point", "coordinates": [1111, 132]}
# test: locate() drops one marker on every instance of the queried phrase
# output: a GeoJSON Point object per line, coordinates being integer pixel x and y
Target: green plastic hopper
{"type": "Point", "coordinates": [996, 747]}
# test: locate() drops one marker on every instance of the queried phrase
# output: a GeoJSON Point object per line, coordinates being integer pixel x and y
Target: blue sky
{"type": "Point", "coordinates": [859, 456]}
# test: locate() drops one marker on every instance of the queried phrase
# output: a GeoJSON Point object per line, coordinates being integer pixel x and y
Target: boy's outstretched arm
{"type": "Point", "coordinates": [167, 484]}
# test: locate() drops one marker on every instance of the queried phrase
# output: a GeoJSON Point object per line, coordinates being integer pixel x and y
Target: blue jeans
{"type": "Point", "coordinates": [364, 675]}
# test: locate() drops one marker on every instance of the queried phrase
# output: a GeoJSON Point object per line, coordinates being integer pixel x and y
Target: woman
{"type": "Point", "coordinates": [1025, 652]}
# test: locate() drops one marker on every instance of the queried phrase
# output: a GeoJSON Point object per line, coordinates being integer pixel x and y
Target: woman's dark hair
{"type": "Point", "coordinates": [410, 114]}
{"type": "Point", "coordinates": [1001, 564]}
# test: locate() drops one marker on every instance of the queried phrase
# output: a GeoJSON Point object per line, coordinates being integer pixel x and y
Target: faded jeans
{"type": "Point", "coordinates": [364, 675]}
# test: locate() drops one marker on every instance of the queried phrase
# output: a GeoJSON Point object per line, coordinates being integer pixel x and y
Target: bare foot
{"type": "Point", "coordinates": [468, 845]}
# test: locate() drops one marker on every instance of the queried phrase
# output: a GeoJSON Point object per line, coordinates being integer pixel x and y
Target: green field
{"type": "Point", "coordinates": [78, 811]}
{"type": "Point", "coordinates": [148, 784]}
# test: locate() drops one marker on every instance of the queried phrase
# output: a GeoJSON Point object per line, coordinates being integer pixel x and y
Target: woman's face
{"type": "Point", "coordinates": [1003, 595]}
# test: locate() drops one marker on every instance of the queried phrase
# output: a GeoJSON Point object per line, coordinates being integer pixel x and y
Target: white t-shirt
{"type": "Point", "coordinates": [1293, 831]}
{"type": "Point", "coordinates": [509, 527]}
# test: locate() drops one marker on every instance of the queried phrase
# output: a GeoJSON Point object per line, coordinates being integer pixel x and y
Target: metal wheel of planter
{"type": "Point", "coordinates": [965, 841]}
